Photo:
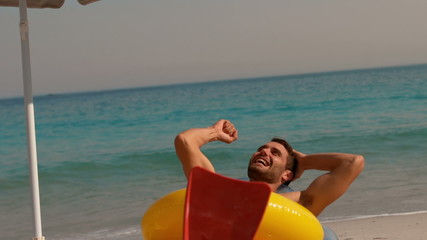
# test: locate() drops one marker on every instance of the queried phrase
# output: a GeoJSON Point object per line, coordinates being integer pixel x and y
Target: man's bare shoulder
{"type": "Point", "coordinates": [301, 197]}
{"type": "Point", "coordinates": [294, 196]}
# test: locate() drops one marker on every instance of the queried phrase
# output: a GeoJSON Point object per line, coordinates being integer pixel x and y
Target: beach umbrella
{"type": "Point", "coordinates": [28, 98]}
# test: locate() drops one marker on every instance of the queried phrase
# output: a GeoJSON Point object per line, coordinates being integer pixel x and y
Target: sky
{"type": "Point", "coordinates": [113, 44]}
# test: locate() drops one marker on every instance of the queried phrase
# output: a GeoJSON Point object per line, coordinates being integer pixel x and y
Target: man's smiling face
{"type": "Point", "coordinates": [268, 163]}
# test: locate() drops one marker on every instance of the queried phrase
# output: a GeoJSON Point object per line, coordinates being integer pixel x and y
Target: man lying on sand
{"type": "Point", "coordinates": [277, 163]}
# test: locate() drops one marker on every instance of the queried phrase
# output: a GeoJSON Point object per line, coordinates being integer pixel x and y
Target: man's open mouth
{"type": "Point", "coordinates": [263, 161]}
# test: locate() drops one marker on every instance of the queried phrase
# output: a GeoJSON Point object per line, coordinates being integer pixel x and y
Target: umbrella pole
{"type": "Point", "coordinates": [31, 132]}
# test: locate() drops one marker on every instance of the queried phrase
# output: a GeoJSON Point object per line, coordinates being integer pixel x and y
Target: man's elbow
{"type": "Point", "coordinates": [358, 164]}
{"type": "Point", "coordinates": [180, 141]}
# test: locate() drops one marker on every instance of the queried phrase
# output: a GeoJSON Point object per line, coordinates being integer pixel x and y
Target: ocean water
{"type": "Point", "coordinates": [104, 157]}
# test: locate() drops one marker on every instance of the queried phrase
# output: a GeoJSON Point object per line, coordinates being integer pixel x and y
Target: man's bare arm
{"type": "Point", "coordinates": [188, 144]}
{"type": "Point", "coordinates": [342, 171]}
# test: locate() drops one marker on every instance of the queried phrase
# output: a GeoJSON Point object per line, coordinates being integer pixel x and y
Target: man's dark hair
{"type": "Point", "coordinates": [292, 163]}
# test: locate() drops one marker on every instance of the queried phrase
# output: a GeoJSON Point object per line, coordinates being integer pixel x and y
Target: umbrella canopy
{"type": "Point", "coordinates": [41, 3]}
{"type": "Point", "coordinates": [28, 98]}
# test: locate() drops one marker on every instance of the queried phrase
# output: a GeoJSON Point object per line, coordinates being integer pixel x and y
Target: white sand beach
{"type": "Point", "coordinates": [393, 227]}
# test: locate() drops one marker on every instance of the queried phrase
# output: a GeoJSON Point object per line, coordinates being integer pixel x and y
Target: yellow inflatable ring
{"type": "Point", "coordinates": [283, 219]}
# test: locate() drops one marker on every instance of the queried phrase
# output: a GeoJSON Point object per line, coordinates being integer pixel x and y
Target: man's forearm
{"type": "Point", "coordinates": [329, 161]}
{"type": "Point", "coordinates": [196, 137]}
{"type": "Point", "coordinates": [187, 146]}
{"type": "Point", "coordinates": [342, 169]}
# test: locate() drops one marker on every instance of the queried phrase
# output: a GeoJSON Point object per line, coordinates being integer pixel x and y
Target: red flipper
{"type": "Point", "coordinates": [222, 208]}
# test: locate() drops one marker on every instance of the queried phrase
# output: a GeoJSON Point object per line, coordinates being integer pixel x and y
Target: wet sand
{"type": "Point", "coordinates": [394, 227]}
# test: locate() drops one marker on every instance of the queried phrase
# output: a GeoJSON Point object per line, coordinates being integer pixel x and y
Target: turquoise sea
{"type": "Point", "coordinates": [105, 156]}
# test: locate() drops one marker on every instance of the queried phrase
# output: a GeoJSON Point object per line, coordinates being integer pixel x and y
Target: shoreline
{"type": "Point", "coordinates": [361, 217]}
{"type": "Point", "coordinates": [399, 226]}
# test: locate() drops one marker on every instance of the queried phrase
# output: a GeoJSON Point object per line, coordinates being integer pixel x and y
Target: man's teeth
{"type": "Point", "coordinates": [262, 161]}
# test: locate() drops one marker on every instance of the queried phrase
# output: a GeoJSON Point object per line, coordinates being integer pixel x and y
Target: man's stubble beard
{"type": "Point", "coordinates": [258, 175]}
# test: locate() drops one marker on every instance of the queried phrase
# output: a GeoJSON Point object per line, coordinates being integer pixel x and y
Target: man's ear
{"type": "Point", "coordinates": [287, 175]}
